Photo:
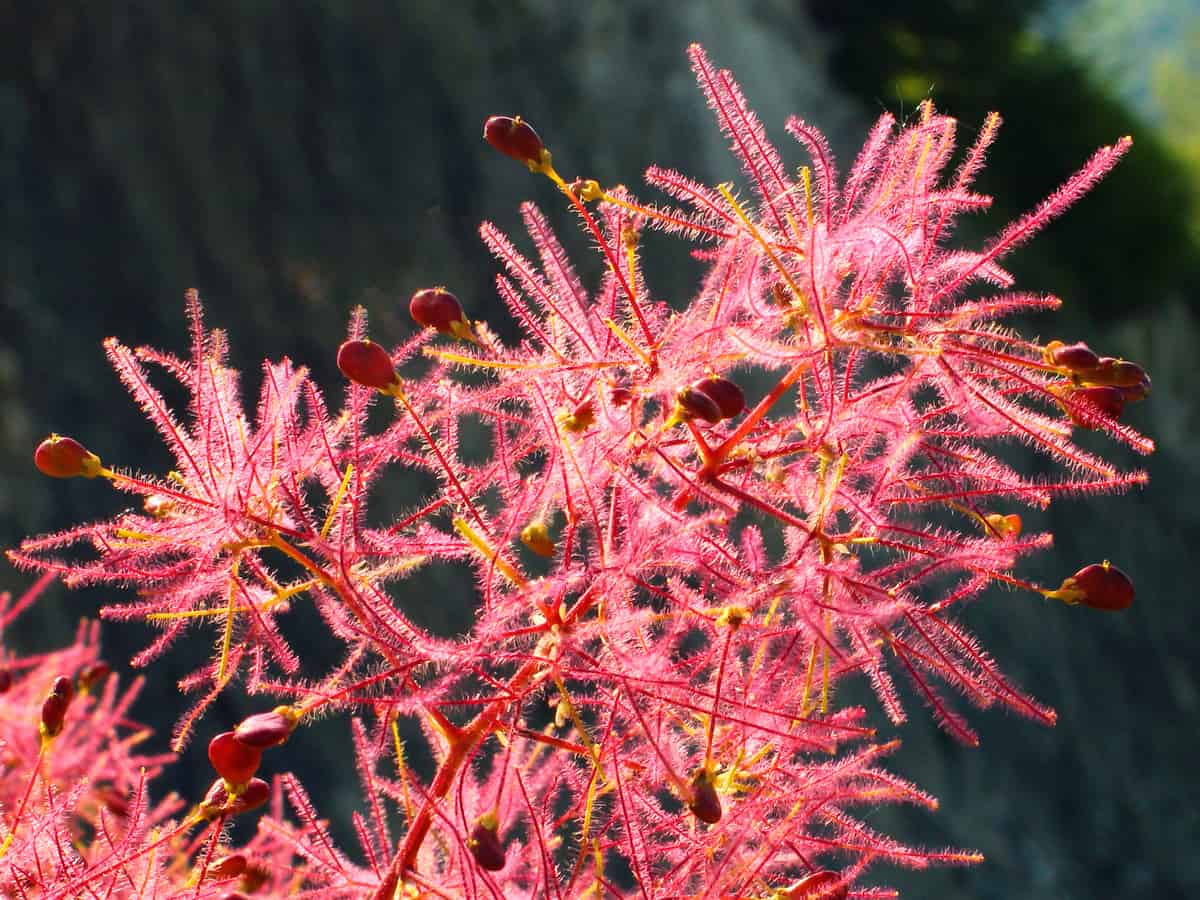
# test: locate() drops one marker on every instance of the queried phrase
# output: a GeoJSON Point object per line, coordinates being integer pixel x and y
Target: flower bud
{"type": "Point", "coordinates": [92, 675]}
{"type": "Point", "coordinates": [64, 457]}
{"type": "Point", "coordinates": [54, 707]}
{"type": "Point", "coordinates": [1077, 357]}
{"type": "Point", "coordinates": [1118, 373]}
{"type": "Point", "coordinates": [438, 308]}
{"type": "Point", "coordinates": [234, 761]}
{"type": "Point", "coordinates": [1098, 586]}
{"type": "Point", "coordinates": [514, 137]}
{"type": "Point", "coordinates": [1109, 401]}
{"type": "Point", "coordinates": [230, 866]}
{"type": "Point", "coordinates": [366, 363]}
{"type": "Point", "coordinates": [218, 800]}
{"type": "Point", "coordinates": [6, 680]}
{"type": "Point", "coordinates": [537, 538]}
{"type": "Point", "coordinates": [691, 403]}
{"type": "Point", "coordinates": [484, 843]}
{"type": "Point", "coordinates": [727, 394]}
{"type": "Point", "coordinates": [54, 714]}
{"type": "Point", "coordinates": [269, 729]}
{"type": "Point", "coordinates": [824, 885]}
{"type": "Point", "coordinates": [703, 800]}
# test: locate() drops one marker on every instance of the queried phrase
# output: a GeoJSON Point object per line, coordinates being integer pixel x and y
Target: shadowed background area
{"type": "Point", "coordinates": [295, 159]}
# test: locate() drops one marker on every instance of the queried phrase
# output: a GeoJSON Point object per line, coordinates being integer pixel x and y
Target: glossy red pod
{"type": "Point", "coordinates": [484, 843]}
{"type": "Point", "coordinates": [1076, 357]}
{"type": "Point", "coordinates": [1099, 586]}
{"type": "Point", "coordinates": [366, 363]}
{"type": "Point", "coordinates": [218, 801]}
{"type": "Point", "coordinates": [268, 729]}
{"type": "Point", "coordinates": [514, 137]}
{"type": "Point", "coordinates": [65, 457]}
{"type": "Point", "coordinates": [230, 866]}
{"type": "Point", "coordinates": [437, 308]}
{"type": "Point", "coordinates": [702, 799]}
{"type": "Point", "coordinates": [1109, 401]}
{"type": "Point", "coordinates": [725, 393]}
{"type": "Point", "coordinates": [691, 403]}
{"type": "Point", "coordinates": [234, 761]}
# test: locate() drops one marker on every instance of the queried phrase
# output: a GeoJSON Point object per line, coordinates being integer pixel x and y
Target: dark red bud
{"type": "Point", "coordinates": [1099, 586]}
{"type": "Point", "coordinates": [727, 394]}
{"type": "Point", "coordinates": [64, 457]}
{"type": "Point", "coordinates": [1108, 400]}
{"type": "Point", "coordinates": [1135, 392]}
{"type": "Point", "coordinates": [1075, 357]}
{"type": "Point", "coordinates": [484, 844]}
{"type": "Point", "coordinates": [514, 137]}
{"type": "Point", "coordinates": [1117, 373]}
{"type": "Point", "coordinates": [366, 363]}
{"type": "Point", "coordinates": [235, 895]}
{"type": "Point", "coordinates": [6, 680]}
{"type": "Point", "coordinates": [823, 885]}
{"type": "Point", "coordinates": [54, 714]}
{"type": "Point", "coordinates": [92, 675]}
{"type": "Point", "coordinates": [61, 687]}
{"type": "Point", "coordinates": [233, 760]}
{"type": "Point", "coordinates": [230, 866]}
{"type": "Point", "coordinates": [693, 404]}
{"type": "Point", "coordinates": [703, 800]}
{"type": "Point", "coordinates": [218, 801]}
{"type": "Point", "coordinates": [267, 729]}
{"type": "Point", "coordinates": [254, 877]}
{"type": "Point", "coordinates": [438, 308]}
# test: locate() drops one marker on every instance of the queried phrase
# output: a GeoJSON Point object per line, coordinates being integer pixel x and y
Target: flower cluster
{"type": "Point", "coordinates": [690, 526]}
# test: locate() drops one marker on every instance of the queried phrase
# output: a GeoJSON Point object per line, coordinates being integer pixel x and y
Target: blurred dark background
{"type": "Point", "coordinates": [293, 159]}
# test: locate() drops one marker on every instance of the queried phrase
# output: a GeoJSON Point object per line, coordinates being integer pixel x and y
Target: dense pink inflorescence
{"type": "Point", "coordinates": [651, 700]}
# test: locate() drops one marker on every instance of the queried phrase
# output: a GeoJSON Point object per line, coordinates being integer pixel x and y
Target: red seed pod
{"type": "Point", "coordinates": [514, 137]}
{"type": "Point", "coordinates": [1099, 586]}
{"type": "Point", "coordinates": [268, 729]}
{"type": "Point", "coordinates": [64, 457]}
{"type": "Point", "coordinates": [54, 714]}
{"type": "Point", "coordinates": [484, 843]}
{"type": "Point", "coordinates": [235, 895]}
{"type": "Point", "coordinates": [703, 800]}
{"type": "Point", "coordinates": [90, 676]}
{"type": "Point", "coordinates": [61, 687]}
{"type": "Point", "coordinates": [230, 866]}
{"type": "Point", "coordinates": [233, 760]}
{"type": "Point", "coordinates": [693, 404]}
{"type": "Point", "coordinates": [6, 680]}
{"type": "Point", "coordinates": [437, 308]}
{"type": "Point", "coordinates": [1108, 400]}
{"type": "Point", "coordinates": [1135, 392]}
{"type": "Point", "coordinates": [366, 363]}
{"type": "Point", "coordinates": [1117, 373]}
{"type": "Point", "coordinates": [824, 885]}
{"type": "Point", "coordinates": [1077, 357]}
{"type": "Point", "coordinates": [219, 802]}
{"type": "Point", "coordinates": [727, 394]}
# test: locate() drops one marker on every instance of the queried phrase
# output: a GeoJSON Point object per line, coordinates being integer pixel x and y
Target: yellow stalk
{"type": "Point", "coordinates": [479, 543]}
{"type": "Point", "coordinates": [337, 501]}
{"type": "Point", "coordinates": [762, 242]}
